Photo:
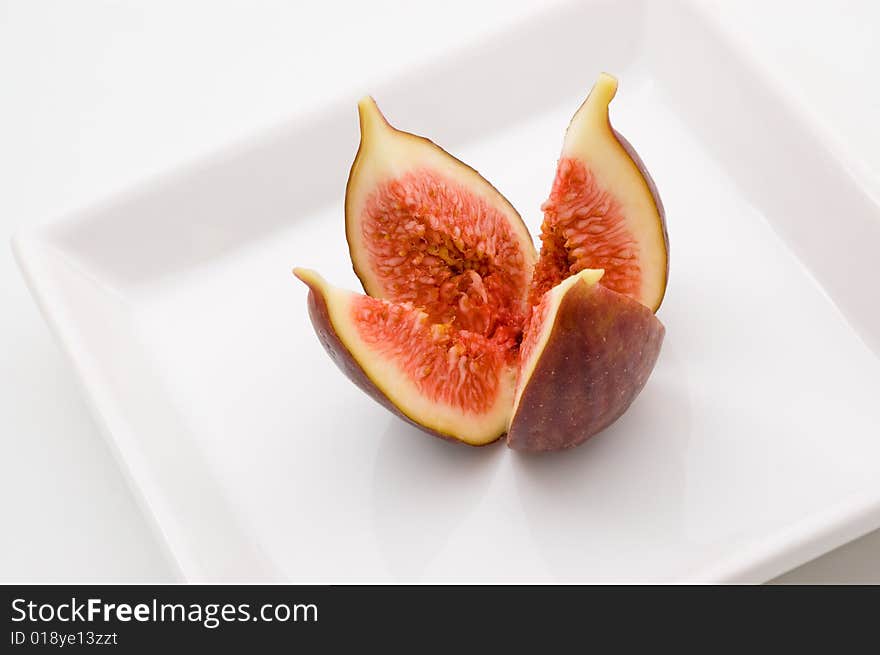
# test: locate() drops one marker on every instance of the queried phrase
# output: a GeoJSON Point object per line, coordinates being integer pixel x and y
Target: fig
{"type": "Point", "coordinates": [425, 228]}
{"type": "Point", "coordinates": [586, 354]}
{"type": "Point", "coordinates": [450, 382]}
{"type": "Point", "coordinates": [464, 330]}
{"type": "Point", "coordinates": [604, 211]}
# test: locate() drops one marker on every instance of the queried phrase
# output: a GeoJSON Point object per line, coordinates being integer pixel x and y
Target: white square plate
{"type": "Point", "coordinates": [754, 447]}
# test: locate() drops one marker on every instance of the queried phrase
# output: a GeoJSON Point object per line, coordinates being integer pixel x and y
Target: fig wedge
{"type": "Point", "coordinates": [449, 382]}
{"type": "Point", "coordinates": [603, 211]}
{"type": "Point", "coordinates": [585, 356]}
{"type": "Point", "coordinates": [425, 228]}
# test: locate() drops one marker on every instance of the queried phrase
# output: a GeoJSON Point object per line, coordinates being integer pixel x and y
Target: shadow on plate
{"type": "Point", "coordinates": [423, 490]}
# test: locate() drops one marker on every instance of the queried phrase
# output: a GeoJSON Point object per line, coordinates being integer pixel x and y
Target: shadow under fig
{"type": "Point", "coordinates": [423, 489]}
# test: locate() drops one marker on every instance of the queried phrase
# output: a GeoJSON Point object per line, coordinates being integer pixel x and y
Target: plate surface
{"type": "Point", "coordinates": [754, 447]}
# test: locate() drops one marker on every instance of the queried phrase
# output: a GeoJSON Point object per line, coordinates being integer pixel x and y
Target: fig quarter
{"type": "Point", "coordinates": [594, 351]}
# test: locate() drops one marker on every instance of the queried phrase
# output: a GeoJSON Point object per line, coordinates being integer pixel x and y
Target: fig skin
{"type": "Point", "coordinates": [346, 362]}
{"type": "Point", "coordinates": [597, 357]}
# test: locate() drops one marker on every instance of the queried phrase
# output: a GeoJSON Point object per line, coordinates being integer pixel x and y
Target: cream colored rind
{"type": "Point", "coordinates": [386, 153]}
{"type": "Point", "coordinates": [395, 384]}
{"type": "Point", "coordinates": [591, 139]}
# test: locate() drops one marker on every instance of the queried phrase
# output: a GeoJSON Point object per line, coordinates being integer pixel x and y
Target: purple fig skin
{"type": "Point", "coordinates": [346, 362]}
{"type": "Point", "coordinates": [601, 349]}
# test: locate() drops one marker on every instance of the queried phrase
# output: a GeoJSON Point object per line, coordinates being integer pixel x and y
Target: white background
{"type": "Point", "coordinates": [96, 95]}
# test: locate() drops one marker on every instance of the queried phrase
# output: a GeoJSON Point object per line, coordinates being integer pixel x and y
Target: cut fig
{"type": "Point", "coordinates": [450, 382]}
{"type": "Point", "coordinates": [604, 211]}
{"type": "Point", "coordinates": [464, 331]}
{"type": "Point", "coordinates": [425, 228]}
{"type": "Point", "coordinates": [586, 354]}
